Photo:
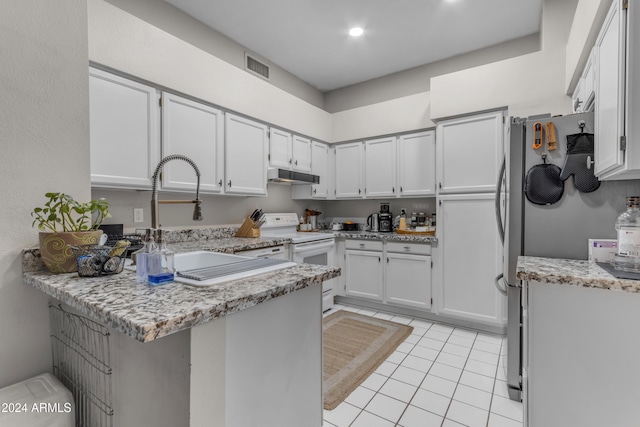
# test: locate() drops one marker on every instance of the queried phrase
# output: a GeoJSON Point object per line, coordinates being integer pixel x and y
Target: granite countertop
{"type": "Point", "coordinates": [391, 237]}
{"type": "Point", "coordinates": [228, 245]}
{"type": "Point", "coordinates": [572, 272]}
{"type": "Point", "coordinates": [146, 313]}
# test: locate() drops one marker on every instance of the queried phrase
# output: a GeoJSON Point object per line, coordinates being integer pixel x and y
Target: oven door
{"type": "Point", "coordinates": [319, 253]}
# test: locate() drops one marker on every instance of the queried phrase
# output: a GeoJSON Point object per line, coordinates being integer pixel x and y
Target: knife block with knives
{"type": "Point", "coordinates": [251, 225]}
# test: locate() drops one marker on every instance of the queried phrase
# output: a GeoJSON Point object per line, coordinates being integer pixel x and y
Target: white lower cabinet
{"type": "Point", "coordinates": [364, 274]}
{"type": "Point", "coordinates": [408, 280]}
{"type": "Point", "coordinates": [468, 242]}
{"type": "Point", "coordinates": [395, 273]}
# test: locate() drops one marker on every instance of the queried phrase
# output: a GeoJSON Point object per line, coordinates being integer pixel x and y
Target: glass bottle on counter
{"type": "Point", "coordinates": [627, 257]}
{"type": "Point", "coordinates": [161, 262]}
{"type": "Point", "coordinates": [140, 257]}
{"type": "Point", "coordinates": [403, 220]}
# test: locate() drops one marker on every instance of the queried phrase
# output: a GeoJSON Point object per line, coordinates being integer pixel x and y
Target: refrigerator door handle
{"type": "Point", "coordinates": [501, 175]}
{"type": "Point", "coordinates": [502, 290]}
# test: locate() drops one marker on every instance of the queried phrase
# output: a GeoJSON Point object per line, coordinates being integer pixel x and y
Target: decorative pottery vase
{"type": "Point", "coordinates": [56, 252]}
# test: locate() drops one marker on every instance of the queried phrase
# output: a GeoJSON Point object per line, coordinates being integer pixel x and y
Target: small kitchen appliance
{"type": "Point", "coordinates": [385, 219]}
{"type": "Point", "coordinates": [373, 221]}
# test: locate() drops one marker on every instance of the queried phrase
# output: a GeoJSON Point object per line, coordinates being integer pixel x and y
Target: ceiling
{"type": "Point", "coordinates": [309, 38]}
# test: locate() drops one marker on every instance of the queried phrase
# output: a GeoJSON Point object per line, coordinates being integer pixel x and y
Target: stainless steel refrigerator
{"type": "Point", "coordinates": [559, 230]}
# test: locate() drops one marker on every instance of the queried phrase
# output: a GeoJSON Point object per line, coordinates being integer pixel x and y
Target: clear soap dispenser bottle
{"type": "Point", "coordinates": [627, 257]}
{"type": "Point", "coordinates": [141, 257]}
{"type": "Point", "coordinates": [161, 262]}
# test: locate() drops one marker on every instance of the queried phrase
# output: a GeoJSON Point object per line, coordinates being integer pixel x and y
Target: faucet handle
{"type": "Point", "coordinates": [197, 211]}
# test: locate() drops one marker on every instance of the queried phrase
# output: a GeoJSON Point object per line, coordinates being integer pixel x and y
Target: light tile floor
{"type": "Point", "coordinates": [440, 376]}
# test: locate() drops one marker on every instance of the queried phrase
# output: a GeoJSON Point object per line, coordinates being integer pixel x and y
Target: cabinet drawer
{"type": "Point", "coordinates": [409, 248]}
{"type": "Point", "coordinates": [364, 245]}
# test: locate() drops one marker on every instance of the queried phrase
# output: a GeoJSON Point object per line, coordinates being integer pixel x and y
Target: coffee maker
{"type": "Point", "coordinates": [385, 218]}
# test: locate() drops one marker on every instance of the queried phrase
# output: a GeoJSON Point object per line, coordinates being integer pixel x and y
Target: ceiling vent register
{"type": "Point", "coordinates": [256, 67]}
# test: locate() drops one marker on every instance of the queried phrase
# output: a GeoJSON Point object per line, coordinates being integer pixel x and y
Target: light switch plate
{"type": "Point", "coordinates": [138, 215]}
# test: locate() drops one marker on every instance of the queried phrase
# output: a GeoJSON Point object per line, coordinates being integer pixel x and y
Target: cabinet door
{"type": "Point", "coordinates": [469, 152]}
{"type": "Point", "coordinates": [469, 260]}
{"type": "Point", "coordinates": [301, 152]}
{"type": "Point", "coordinates": [349, 165]}
{"type": "Point", "coordinates": [196, 131]}
{"type": "Point", "coordinates": [408, 280]}
{"type": "Point", "coordinates": [319, 166]}
{"type": "Point", "coordinates": [124, 131]}
{"type": "Point", "coordinates": [280, 149]}
{"type": "Point", "coordinates": [380, 167]}
{"type": "Point", "coordinates": [364, 274]}
{"type": "Point", "coordinates": [588, 79]}
{"type": "Point", "coordinates": [245, 156]}
{"type": "Point", "coordinates": [578, 97]}
{"type": "Point", "coordinates": [417, 164]}
{"type": "Point", "coordinates": [609, 110]}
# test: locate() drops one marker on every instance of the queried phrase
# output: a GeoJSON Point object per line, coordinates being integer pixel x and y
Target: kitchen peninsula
{"type": "Point", "coordinates": [252, 343]}
{"type": "Point", "coordinates": [580, 344]}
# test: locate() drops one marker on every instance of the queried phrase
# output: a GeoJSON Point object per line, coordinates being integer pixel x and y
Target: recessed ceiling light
{"type": "Point", "coordinates": [356, 31]}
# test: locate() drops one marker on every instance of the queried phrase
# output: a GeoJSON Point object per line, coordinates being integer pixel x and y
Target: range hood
{"type": "Point", "coordinates": [284, 175]}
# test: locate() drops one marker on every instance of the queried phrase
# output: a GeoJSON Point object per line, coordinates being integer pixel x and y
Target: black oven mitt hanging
{"type": "Point", "coordinates": [579, 162]}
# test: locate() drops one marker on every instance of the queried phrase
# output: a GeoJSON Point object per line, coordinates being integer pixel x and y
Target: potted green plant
{"type": "Point", "coordinates": [62, 222]}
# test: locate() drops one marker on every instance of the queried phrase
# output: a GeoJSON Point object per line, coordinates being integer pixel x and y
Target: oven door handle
{"type": "Point", "coordinates": [302, 247]}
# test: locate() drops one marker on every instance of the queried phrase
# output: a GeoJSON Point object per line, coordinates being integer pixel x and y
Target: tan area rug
{"type": "Point", "coordinates": [354, 346]}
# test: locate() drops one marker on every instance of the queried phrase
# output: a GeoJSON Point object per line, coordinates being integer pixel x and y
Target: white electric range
{"type": "Point", "coordinates": [307, 247]}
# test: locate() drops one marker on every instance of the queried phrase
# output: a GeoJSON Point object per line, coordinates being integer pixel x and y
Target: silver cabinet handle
{"type": "Point", "coordinates": [220, 183]}
{"type": "Point", "coordinates": [362, 245]}
{"type": "Point", "coordinates": [407, 248]}
{"type": "Point", "coordinates": [290, 161]}
{"type": "Point", "coordinates": [315, 190]}
{"type": "Point", "coordinates": [296, 163]}
{"type": "Point", "coordinates": [229, 183]}
{"type": "Point", "coordinates": [393, 190]}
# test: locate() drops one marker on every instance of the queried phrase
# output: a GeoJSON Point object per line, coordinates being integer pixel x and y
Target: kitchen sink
{"type": "Point", "coordinates": [204, 268]}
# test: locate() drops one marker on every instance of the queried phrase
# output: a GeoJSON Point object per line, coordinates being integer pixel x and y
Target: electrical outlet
{"type": "Point", "coordinates": [138, 215]}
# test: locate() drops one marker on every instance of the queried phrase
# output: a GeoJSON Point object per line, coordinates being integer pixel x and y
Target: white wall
{"type": "Point", "coordinates": [45, 142]}
{"type": "Point", "coordinates": [528, 84]}
{"type": "Point", "coordinates": [216, 210]}
{"type": "Point", "coordinates": [126, 43]}
{"type": "Point", "coordinates": [397, 115]}
{"type": "Point", "coordinates": [174, 21]}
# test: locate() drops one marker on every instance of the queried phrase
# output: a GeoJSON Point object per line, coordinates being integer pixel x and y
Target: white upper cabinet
{"type": "Point", "coordinates": [320, 167]}
{"type": "Point", "coordinates": [301, 152]}
{"type": "Point", "coordinates": [417, 164]}
{"type": "Point", "coordinates": [280, 149]}
{"type": "Point", "coordinates": [246, 148]}
{"type": "Point", "coordinates": [288, 151]}
{"type": "Point", "coordinates": [469, 151]}
{"type": "Point", "coordinates": [196, 131]}
{"type": "Point", "coordinates": [124, 131]}
{"type": "Point", "coordinates": [380, 167]}
{"type": "Point", "coordinates": [617, 61]}
{"type": "Point", "coordinates": [584, 94]}
{"type": "Point", "coordinates": [349, 170]}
